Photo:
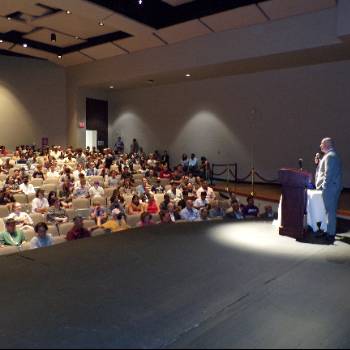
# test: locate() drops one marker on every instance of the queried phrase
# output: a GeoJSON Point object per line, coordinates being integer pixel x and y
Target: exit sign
{"type": "Point", "coordinates": [82, 125]}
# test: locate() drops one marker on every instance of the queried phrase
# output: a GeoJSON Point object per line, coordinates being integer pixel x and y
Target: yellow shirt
{"type": "Point", "coordinates": [115, 226]}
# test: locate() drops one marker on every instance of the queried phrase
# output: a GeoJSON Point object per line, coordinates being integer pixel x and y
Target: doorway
{"type": "Point", "coordinates": [91, 139]}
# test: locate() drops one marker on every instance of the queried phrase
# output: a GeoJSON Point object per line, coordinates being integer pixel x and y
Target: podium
{"type": "Point", "coordinates": [294, 183]}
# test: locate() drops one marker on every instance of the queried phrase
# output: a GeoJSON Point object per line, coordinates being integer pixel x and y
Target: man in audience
{"type": "Point", "coordinates": [250, 210]}
{"type": "Point", "coordinates": [164, 204]}
{"type": "Point", "coordinates": [165, 173]}
{"type": "Point", "coordinates": [40, 205]}
{"type": "Point", "coordinates": [204, 214]}
{"type": "Point", "coordinates": [53, 173]}
{"type": "Point", "coordinates": [43, 239]}
{"type": "Point", "coordinates": [113, 180]}
{"type": "Point", "coordinates": [98, 213]}
{"type": "Point", "coordinates": [205, 188]}
{"type": "Point", "coordinates": [22, 219]}
{"type": "Point", "coordinates": [158, 188]}
{"type": "Point", "coordinates": [216, 211]}
{"type": "Point", "coordinates": [190, 213]}
{"type": "Point", "coordinates": [12, 236]}
{"type": "Point", "coordinates": [173, 212]}
{"type": "Point", "coordinates": [193, 164]}
{"type": "Point", "coordinates": [201, 202]}
{"type": "Point", "coordinates": [96, 191]}
{"type": "Point", "coordinates": [38, 173]}
{"type": "Point", "coordinates": [26, 187]}
{"type": "Point", "coordinates": [78, 231]}
{"type": "Point", "coordinates": [234, 213]}
{"type": "Point", "coordinates": [174, 193]}
{"type": "Point", "coordinates": [82, 191]}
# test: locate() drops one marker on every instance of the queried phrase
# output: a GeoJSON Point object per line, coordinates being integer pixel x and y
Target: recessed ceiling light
{"type": "Point", "coordinates": [111, 87]}
{"type": "Point", "coordinates": [9, 18]}
{"type": "Point", "coordinates": [59, 57]}
{"type": "Point", "coordinates": [76, 37]}
{"type": "Point", "coordinates": [68, 12]}
{"type": "Point", "coordinates": [101, 24]}
{"type": "Point", "coordinates": [25, 45]}
{"type": "Point", "coordinates": [1, 41]}
{"type": "Point", "coordinates": [188, 75]}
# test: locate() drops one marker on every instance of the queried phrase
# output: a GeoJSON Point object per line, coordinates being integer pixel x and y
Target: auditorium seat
{"type": "Point", "coordinates": [65, 228]}
{"type": "Point", "coordinates": [81, 203]}
{"type": "Point", "coordinates": [30, 198]}
{"type": "Point", "coordinates": [52, 181]}
{"type": "Point", "coordinates": [29, 234]}
{"type": "Point", "coordinates": [92, 179]}
{"type": "Point", "coordinates": [2, 225]}
{"type": "Point", "coordinates": [225, 204]}
{"type": "Point", "coordinates": [21, 198]}
{"type": "Point", "coordinates": [133, 220]}
{"type": "Point", "coordinates": [4, 211]}
{"type": "Point", "coordinates": [37, 182]}
{"type": "Point", "coordinates": [102, 200]}
{"type": "Point", "coordinates": [49, 188]}
{"type": "Point", "coordinates": [159, 198]}
{"type": "Point", "coordinates": [53, 230]}
{"type": "Point", "coordinates": [109, 192]}
{"type": "Point", "coordinates": [156, 218]}
{"type": "Point", "coordinates": [98, 232]}
{"type": "Point", "coordinates": [164, 182]}
{"type": "Point", "coordinates": [3, 177]}
{"type": "Point", "coordinates": [36, 217]}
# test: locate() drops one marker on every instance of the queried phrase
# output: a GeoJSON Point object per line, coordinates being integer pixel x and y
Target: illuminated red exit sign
{"type": "Point", "coordinates": [82, 125]}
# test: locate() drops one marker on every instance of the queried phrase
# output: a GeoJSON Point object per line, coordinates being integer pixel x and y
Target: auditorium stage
{"type": "Point", "coordinates": [204, 285]}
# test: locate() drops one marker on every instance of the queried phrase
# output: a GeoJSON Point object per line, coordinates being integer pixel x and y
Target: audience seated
{"type": "Point", "coordinates": [146, 220]}
{"type": "Point", "coordinates": [78, 231]}
{"type": "Point", "coordinates": [40, 204]}
{"type": "Point", "coordinates": [190, 213]}
{"type": "Point", "coordinates": [117, 223]}
{"type": "Point", "coordinates": [43, 238]}
{"type": "Point", "coordinates": [12, 236]}
{"type": "Point", "coordinates": [66, 174]}
{"type": "Point", "coordinates": [135, 207]}
{"type": "Point", "coordinates": [26, 187]}
{"type": "Point", "coordinates": [250, 210]}
{"type": "Point", "coordinates": [22, 219]}
{"type": "Point", "coordinates": [57, 214]}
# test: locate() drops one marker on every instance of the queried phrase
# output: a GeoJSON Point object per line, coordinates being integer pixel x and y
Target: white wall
{"type": "Point", "coordinates": [32, 102]}
{"type": "Point", "coordinates": [295, 108]}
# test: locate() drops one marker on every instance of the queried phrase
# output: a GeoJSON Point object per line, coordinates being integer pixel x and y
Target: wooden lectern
{"type": "Point", "coordinates": [294, 183]}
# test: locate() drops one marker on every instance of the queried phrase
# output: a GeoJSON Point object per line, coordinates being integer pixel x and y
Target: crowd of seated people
{"type": "Point", "coordinates": [116, 185]}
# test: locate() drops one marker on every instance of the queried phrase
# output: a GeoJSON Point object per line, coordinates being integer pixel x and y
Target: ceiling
{"type": "Point", "coordinates": [86, 31]}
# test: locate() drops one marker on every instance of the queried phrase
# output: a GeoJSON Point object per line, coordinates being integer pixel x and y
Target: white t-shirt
{"type": "Point", "coordinates": [210, 193]}
{"type": "Point", "coordinates": [27, 189]}
{"type": "Point", "coordinates": [39, 204]}
{"type": "Point", "coordinates": [96, 192]}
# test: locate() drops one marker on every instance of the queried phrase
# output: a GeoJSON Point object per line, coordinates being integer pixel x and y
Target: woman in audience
{"type": "Point", "coordinates": [78, 231]}
{"type": "Point", "coordinates": [56, 214]}
{"type": "Point", "coordinates": [98, 213]}
{"type": "Point", "coordinates": [152, 206]}
{"type": "Point", "coordinates": [165, 218]}
{"type": "Point", "coordinates": [117, 223]}
{"type": "Point", "coordinates": [40, 205]}
{"type": "Point", "coordinates": [146, 220]}
{"type": "Point", "coordinates": [135, 207]}
{"type": "Point", "coordinates": [38, 173]}
{"type": "Point", "coordinates": [42, 239]}
{"type": "Point", "coordinates": [117, 201]}
{"type": "Point", "coordinates": [52, 198]}
{"type": "Point", "coordinates": [6, 197]}
{"type": "Point", "coordinates": [113, 180]}
{"type": "Point", "coordinates": [185, 162]}
{"type": "Point", "coordinates": [66, 194]}
{"type": "Point", "coordinates": [96, 191]}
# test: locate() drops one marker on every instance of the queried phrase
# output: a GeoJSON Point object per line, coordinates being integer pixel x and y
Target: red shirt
{"type": "Point", "coordinates": [152, 208]}
{"type": "Point", "coordinates": [165, 174]}
{"type": "Point", "coordinates": [75, 234]}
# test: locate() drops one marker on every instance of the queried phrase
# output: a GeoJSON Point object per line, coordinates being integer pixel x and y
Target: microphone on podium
{"type": "Point", "coordinates": [301, 161]}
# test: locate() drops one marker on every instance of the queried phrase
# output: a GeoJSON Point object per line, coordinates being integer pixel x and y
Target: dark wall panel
{"type": "Point", "coordinates": [97, 119]}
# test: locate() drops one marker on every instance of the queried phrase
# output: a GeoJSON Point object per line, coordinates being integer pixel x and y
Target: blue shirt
{"type": "Point", "coordinates": [189, 215]}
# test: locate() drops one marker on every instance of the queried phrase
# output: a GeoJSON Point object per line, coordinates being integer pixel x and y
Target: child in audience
{"type": "Point", "coordinates": [135, 207]}
{"type": "Point", "coordinates": [98, 213]}
{"type": "Point", "coordinates": [42, 239]}
{"type": "Point", "coordinates": [250, 210]}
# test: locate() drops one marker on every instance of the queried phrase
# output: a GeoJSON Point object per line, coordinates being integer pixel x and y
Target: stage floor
{"type": "Point", "coordinates": [273, 193]}
{"type": "Point", "coordinates": [205, 285]}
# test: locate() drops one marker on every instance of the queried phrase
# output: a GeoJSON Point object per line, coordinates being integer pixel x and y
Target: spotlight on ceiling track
{"type": "Point", "coordinates": [53, 38]}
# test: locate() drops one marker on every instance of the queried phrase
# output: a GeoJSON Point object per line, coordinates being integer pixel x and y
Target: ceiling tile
{"type": "Point", "coordinates": [5, 45]}
{"type": "Point", "coordinates": [183, 31]}
{"type": "Point", "coordinates": [237, 18]}
{"type": "Point", "coordinates": [71, 59]}
{"type": "Point", "coordinates": [73, 25]}
{"type": "Point", "coordinates": [44, 36]}
{"type": "Point", "coordinates": [82, 8]}
{"type": "Point", "coordinates": [7, 26]}
{"type": "Point", "coordinates": [10, 6]}
{"type": "Point", "coordinates": [277, 9]}
{"type": "Point", "coordinates": [140, 42]}
{"type": "Point", "coordinates": [103, 51]}
{"type": "Point", "coordinates": [127, 25]}
{"type": "Point", "coordinates": [33, 52]}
